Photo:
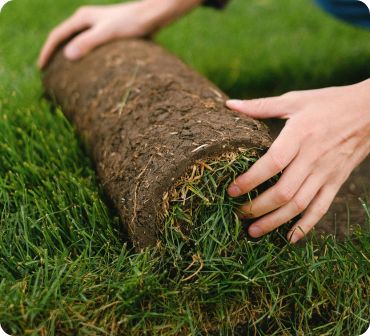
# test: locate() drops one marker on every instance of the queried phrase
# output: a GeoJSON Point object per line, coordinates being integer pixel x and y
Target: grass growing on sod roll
{"type": "Point", "coordinates": [198, 214]}
{"type": "Point", "coordinates": [171, 117]}
{"type": "Point", "coordinates": [66, 270]}
{"type": "Point", "coordinates": [64, 266]}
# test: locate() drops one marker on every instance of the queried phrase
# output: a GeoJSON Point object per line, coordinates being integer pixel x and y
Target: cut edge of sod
{"type": "Point", "coordinates": [197, 209]}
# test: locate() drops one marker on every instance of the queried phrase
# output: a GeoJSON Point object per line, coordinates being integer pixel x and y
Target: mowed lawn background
{"type": "Point", "coordinates": [65, 266]}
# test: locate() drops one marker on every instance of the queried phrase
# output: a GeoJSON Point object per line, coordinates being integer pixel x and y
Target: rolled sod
{"type": "Point", "coordinates": [149, 121]}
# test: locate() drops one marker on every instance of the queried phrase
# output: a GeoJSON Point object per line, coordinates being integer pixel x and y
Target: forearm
{"type": "Point", "coordinates": [163, 12]}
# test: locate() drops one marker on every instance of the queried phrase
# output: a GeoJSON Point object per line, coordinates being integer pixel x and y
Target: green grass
{"type": "Point", "coordinates": [67, 269]}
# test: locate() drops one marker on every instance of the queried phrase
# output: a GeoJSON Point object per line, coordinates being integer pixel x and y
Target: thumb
{"type": "Point", "coordinates": [274, 107]}
{"type": "Point", "coordinates": [85, 42]}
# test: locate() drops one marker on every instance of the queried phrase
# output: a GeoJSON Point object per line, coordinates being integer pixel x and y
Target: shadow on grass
{"type": "Point", "coordinates": [276, 81]}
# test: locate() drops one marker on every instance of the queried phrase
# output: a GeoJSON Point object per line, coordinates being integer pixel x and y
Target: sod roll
{"type": "Point", "coordinates": [146, 119]}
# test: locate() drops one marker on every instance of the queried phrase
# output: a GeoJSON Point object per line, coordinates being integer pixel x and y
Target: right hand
{"type": "Point", "coordinates": [99, 24]}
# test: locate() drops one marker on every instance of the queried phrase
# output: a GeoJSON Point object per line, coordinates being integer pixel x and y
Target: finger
{"type": "Point", "coordinates": [85, 42]}
{"type": "Point", "coordinates": [278, 157]}
{"type": "Point", "coordinates": [316, 210]}
{"type": "Point", "coordinates": [290, 210]}
{"type": "Point", "coordinates": [282, 192]}
{"type": "Point", "coordinates": [273, 107]}
{"type": "Point", "coordinates": [59, 34]}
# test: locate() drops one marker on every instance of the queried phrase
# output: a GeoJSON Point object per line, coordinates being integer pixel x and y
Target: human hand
{"type": "Point", "coordinates": [99, 24]}
{"type": "Point", "coordinates": [326, 136]}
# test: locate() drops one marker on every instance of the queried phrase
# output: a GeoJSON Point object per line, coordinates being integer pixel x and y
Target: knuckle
{"type": "Point", "coordinates": [321, 210]}
{"type": "Point", "coordinates": [276, 160]}
{"type": "Point", "coordinates": [261, 104]}
{"type": "Point", "coordinates": [300, 204]}
{"type": "Point", "coordinates": [291, 100]}
{"type": "Point", "coordinates": [290, 95]}
{"type": "Point", "coordinates": [284, 194]}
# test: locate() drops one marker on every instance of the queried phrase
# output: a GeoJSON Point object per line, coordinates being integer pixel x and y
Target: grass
{"type": "Point", "coordinates": [66, 268]}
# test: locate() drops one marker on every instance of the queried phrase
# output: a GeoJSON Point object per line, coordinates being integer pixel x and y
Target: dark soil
{"type": "Point", "coordinates": [146, 117]}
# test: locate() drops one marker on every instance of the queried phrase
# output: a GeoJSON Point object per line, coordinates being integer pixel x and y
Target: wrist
{"type": "Point", "coordinates": [158, 13]}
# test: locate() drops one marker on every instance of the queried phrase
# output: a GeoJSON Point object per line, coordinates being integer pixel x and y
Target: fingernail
{"type": "Point", "coordinates": [234, 191]}
{"type": "Point", "coordinates": [255, 231]}
{"type": "Point", "coordinates": [72, 52]}
{"type": "Point", "coordinates": [294, 238]}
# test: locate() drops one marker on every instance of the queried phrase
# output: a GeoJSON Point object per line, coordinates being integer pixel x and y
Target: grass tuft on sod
{"type": "Point", "coordinates": [66, 267]}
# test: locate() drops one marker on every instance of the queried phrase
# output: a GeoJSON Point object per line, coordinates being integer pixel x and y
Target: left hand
{"type": "Point", "coordinates": [326, 136]}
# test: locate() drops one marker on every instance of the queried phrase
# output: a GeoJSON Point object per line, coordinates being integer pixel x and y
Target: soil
{"type": "Point", "coordinates": [146, 117]}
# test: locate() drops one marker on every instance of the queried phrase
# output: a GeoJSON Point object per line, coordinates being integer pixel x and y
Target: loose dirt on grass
{"type": "Point", "coordinates": [146, 118]}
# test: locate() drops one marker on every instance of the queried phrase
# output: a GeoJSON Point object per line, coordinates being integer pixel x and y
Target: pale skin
{"type": "Point", "coordinates": [327, 133]}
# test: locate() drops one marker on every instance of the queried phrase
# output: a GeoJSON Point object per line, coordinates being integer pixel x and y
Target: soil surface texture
{"type": "Point", "coordinates": [145, 117]}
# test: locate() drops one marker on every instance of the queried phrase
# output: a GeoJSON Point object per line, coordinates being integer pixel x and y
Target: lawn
{"type": "Point", "coordinates": [66, 266]}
